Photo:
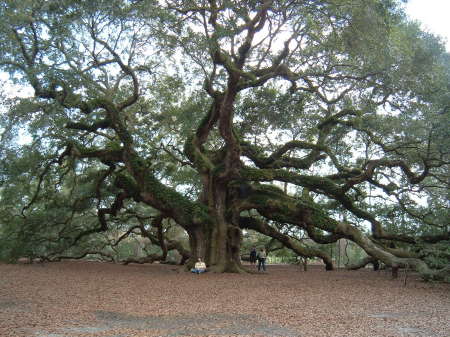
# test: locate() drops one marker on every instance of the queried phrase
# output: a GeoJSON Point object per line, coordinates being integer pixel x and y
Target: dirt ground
{"type": "Point", "coordinates": [71, 299]}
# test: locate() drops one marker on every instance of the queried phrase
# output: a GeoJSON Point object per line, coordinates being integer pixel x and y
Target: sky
{"type": "Point", "coordinates": [434, 15]}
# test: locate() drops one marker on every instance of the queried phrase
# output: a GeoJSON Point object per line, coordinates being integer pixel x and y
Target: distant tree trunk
{"type": "Point", "coordinates": [376, 265]}
{"type": "Point", "coordinates": [338, 244]}
{"type": "Point", "coordinates": [395, 272]}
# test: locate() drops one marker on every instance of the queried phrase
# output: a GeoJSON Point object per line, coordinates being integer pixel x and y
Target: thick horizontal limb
{"type": "Point", "coordinates": [294, 245]}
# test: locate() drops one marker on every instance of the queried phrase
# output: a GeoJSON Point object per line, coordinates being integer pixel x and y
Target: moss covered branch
{"type": "Point", "coordinates": [273, 204]}
{"type": "Point", "coordinates": [277, 159]}
{"type": "Point", "coordinates": [294, 245]}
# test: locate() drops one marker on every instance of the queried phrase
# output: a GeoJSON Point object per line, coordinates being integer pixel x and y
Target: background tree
{"type": "Point", "coordinates": [227, 115]}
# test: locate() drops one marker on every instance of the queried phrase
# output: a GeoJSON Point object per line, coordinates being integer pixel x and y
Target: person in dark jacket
{"type": "Point", "coordinates": [253, 255]}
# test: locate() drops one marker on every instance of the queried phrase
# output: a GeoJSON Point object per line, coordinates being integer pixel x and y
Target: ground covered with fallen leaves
{"type": "Point", "coordinates": [72, 299]}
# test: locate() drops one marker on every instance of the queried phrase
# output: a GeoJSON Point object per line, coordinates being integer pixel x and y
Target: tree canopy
{"type": "Point", "coordinates": [295, 119]}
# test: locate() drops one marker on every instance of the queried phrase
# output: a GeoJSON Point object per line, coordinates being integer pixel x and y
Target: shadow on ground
{"type": "Point", "coordinates": [180, 325]}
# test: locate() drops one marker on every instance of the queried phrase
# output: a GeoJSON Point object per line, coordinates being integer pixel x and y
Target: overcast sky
{"type": "Point", "coordinates": [433, 14]}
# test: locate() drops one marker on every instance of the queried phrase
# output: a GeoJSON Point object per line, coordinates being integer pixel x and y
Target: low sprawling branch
{"type": "Point", "coordinates": [294, 245]}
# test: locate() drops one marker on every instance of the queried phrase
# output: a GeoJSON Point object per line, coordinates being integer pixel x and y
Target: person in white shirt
{"type": "Point", "coordinates": [199, 267]}
{"type": "Point", "coordinates": [262, 259]}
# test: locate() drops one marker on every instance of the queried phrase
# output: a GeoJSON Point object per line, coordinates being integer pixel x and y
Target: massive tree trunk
{"type": "Point", "coordinates": [219, 245]}
{"type": "Point", "coordinates": [219, 241]}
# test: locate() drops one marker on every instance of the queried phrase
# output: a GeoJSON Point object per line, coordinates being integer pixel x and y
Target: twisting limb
{"type": "Point", "coordinates": [294, 245]}
{"type": "Point", "coordinates": [273, 204]}
{"type": "Point", "coordinates": [38, 189]}
{"type": "Point", "coordinates": [334, 191]}
{"type": "Point", "coordinates": [47, 167]}
{"type": "Point", "coordinates": [101, 213]}
{"type": "Point", "coordinates": [276, 160]}
{"type": "Point", "coordinates": [161, 241]}
{"type": "Point", "coordinates": [146, 259]}
{"type": "Point", "coordinates": [362, 263]}
{"type": "Point", "coordinates": [125, 235]}
{"type": "Point", "coordinates": [101, 253]}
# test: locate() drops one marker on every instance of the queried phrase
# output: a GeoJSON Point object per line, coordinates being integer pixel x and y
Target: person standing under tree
{"type": "Point", "coordinates": [262, 260]}
{"type": "Point", "coordinates": [253, 255]}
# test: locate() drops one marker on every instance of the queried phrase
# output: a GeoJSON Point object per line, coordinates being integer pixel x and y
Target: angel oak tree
{"type": "Point", "coordinates": [200, 112]}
